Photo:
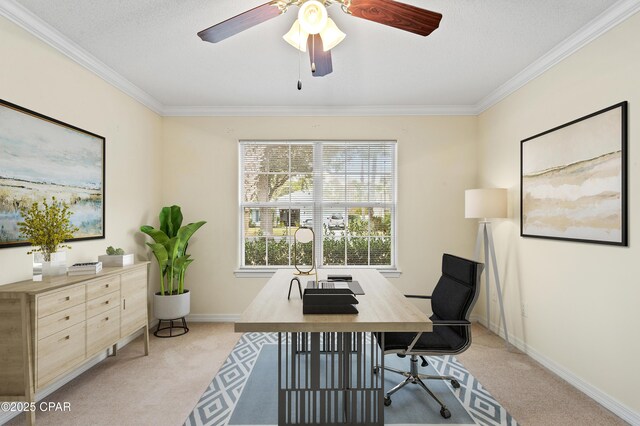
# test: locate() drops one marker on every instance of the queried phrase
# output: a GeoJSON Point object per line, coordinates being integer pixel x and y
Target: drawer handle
{"type": "Point", "coordinates": [106, 319]}
{"type": "Point", "coordinates": [67, 298]}
{"type": "Point", "coordinates": [66, 337]}
{"type": "Point", "coordinates": [106, 286]}
{"type": "Point", "coordinates": [106, 303]}
{"type": "Point", "coordinates": [67, 318]}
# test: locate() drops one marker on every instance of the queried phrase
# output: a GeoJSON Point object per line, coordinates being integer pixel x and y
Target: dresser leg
{"type": "Point", "coordinates": [114, 349]}
{"type": "Point", "coordinates": [146, 339]}
{"type": "Point", "coordinates": [31, 417]}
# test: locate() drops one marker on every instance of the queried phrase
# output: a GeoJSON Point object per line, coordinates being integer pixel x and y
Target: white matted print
{"type": "Point", "coordinates": [573, 180]}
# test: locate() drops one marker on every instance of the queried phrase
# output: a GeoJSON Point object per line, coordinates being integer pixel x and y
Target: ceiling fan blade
{"type": "Point", "coordinates": [319, 57]}
{"type": "Point", "coordinates": [398, 15]}
{"type": "Point", "coordinates": [240, 22]}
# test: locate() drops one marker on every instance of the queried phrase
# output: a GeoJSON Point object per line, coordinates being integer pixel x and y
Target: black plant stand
{"type": "Point", "coordinates": [184, 329]}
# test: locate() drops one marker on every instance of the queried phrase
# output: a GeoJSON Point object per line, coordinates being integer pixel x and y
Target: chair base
{"type": "Point", "coordinates": [416, 378]}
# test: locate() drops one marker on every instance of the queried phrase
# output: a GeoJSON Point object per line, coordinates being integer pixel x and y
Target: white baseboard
{"type": "Point", "coordinates": [610, 403]}
{"type": "Point", "coordinates": [43, 393]}
{"type": "Point", "coordinates": [213, 317]}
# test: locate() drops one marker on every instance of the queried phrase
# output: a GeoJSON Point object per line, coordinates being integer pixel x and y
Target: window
{"type": "Point", "coordinates": [344, 191]}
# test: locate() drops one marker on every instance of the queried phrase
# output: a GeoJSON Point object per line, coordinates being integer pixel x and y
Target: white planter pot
{"type": "Point", "coordinates": [116, 259]}
{"type": "Point", "coordinates": [55, 267]}
{"type": "Point", "coordinates": [172, 307]}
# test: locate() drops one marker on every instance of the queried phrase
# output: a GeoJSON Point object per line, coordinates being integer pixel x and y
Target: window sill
{"type": "Point", "coordinates": [268, 273]}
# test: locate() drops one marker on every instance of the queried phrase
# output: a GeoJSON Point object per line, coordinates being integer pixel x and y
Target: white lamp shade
{"type": "Point", "coordinates": [312, 16]}
{"type": "Point", "coordinates": [297, 37]}
{"type": "Point", "coordinates": [304, 235]}
{"type": "Point", "coordinates": [485, 203]}
{"type": "Point", "coordinates": [331, 35]}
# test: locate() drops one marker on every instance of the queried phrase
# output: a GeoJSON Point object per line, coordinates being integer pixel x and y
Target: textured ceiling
{"type": "Point", "coordinates": [479, 46]}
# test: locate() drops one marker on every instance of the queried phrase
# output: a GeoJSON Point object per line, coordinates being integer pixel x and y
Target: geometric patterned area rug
{"type": "Point", "coordinates": [254, 394]}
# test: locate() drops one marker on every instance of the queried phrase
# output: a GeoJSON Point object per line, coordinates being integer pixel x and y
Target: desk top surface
{"type": "Point", "coordinates": [382, 308]}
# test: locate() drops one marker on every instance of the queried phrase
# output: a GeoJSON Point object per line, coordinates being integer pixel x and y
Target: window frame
{"type": "Point", "coordinates": [318, 205]}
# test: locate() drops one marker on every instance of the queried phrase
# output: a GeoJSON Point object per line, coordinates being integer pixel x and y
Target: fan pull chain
{"type": "Point", "coordinates": [313, 54]}
{"type": "Point", "coordinates": [299, 61]}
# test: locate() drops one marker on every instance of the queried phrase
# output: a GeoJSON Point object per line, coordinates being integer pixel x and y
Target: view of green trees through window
{"type": "Point", "coordinates": [348, 200]}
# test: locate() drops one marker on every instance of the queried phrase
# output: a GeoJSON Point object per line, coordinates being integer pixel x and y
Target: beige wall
{"type": "Point", "coordinates": [580, 299]}
{"type": "Point", "coordinates": [436, 163]}
{"type": "Point", "coordinates": [38, 77]}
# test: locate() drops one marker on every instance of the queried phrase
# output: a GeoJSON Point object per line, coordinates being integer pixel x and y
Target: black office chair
{"type": "Point", "coordinates": [451, 303]}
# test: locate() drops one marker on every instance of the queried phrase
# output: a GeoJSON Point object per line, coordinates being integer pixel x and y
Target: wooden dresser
{"type": "Point", "coordinates": [51, 327]}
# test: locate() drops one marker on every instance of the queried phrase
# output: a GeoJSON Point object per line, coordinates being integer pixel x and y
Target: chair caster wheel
{"type": "Point", "coordinates": [455, 384]}
{"type": "Point", "coordinates": [387, 402]}
{"type": "Point", "coordinates": [424, 363]}
{"type": "Point", "coordinates": [444, 412]}
{"type": "Point", "coordinates": [375, 370]}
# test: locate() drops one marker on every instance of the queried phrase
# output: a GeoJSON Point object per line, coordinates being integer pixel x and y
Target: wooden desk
{"type": "Point", "coordinates": [325, 362]}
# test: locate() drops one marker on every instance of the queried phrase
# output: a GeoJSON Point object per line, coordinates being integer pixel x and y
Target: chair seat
{"type": "Point", "coordinates": [442, 338]}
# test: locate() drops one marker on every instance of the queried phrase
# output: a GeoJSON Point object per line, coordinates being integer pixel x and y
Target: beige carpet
{"type": "Point", "coordinates": [162, 389]}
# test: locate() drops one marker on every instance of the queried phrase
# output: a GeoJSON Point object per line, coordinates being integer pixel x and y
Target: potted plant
{"type": "Point", "coordinates": [116, 257]}
{"type": "Point", "coordinates": [47, 229]}
{"type": "Point", "coordinates": [170, 250]}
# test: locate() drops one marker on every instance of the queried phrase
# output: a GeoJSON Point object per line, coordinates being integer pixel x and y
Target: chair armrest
{"type": "Point", "coordinates": [417, 296]}
{"type": "Point", "coordinates": [463, 323]}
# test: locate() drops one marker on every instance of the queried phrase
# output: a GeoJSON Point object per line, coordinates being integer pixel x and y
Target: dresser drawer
{"type": "Point", "coordinates": [50, 303]}
{"type": "Point", "coordinates": [102, 331]}
{"type": "Point", "coordinates": [102, 286]}
{"type": "Point", "coordinates": [54, 323]}
{"type": "Point", "coordinates": [60, 352]}
{"type": "Point", "coordinates": [102, 304]}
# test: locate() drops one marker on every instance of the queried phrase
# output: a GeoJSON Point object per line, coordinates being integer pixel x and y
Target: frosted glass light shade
{"type": "Point", "coordinates": [331, 35]}
{"type": "Point", "coordinates": [312, 16]}
{"type": "Point", "coordinates": [304, 235]}
{"type": "Point", "coordinates": [485, 203]}
{"type": "Point", "coordinates": [297, 37]}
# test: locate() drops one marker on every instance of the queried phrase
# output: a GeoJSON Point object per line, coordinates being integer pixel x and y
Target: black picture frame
{"type": "Point", "coordinates": [570, 164]}
{"type": "Point", "coordinates": [50, 157]}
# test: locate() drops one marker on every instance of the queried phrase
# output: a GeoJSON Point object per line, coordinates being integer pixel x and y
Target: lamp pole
{"type": "Point", "coordinates": [485, 234]}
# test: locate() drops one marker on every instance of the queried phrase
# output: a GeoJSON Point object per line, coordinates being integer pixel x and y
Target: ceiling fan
{"type": "Point", "coordinates": [316, 33]}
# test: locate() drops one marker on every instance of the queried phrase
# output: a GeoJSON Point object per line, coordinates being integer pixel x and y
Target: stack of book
{"type": "Point", "coordinates": [88, 268]}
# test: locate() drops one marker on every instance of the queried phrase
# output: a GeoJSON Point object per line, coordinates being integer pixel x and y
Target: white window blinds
{"type": "Point", "coordinates": [344, 191]}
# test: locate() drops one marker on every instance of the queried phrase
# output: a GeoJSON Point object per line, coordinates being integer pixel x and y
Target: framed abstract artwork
{"type": "Point", "coordinates": [573, 180]}
{"type": "Point", "coordinates": [40, 158]}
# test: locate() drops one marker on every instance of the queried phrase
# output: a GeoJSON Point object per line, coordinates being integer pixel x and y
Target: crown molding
{"type": "Point", "coordinates": [24, 18]}
{"type": "Point", "coordinates": [611, 17]}
{"type": "Point", "coordinates": [317, 111]}
{"type": "Point", "coordinates": [608, 19]}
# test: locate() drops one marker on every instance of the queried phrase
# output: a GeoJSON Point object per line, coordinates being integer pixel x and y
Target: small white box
{"type": "Point", "coordinates": [116, 260]}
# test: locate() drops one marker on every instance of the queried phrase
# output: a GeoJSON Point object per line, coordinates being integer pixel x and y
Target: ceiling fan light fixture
{"type": "Point", "coordinates": [297, 37]}
{"type": "Point", "coordinates": [331, 35]}
{"type": "Point", "coordinates": [312, 16]}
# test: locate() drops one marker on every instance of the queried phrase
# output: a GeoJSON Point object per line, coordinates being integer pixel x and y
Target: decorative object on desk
{"type": "Point", "coordinates": [87, 268]}
{"type": "Point", "coordinates": [43, 157]}
{"type": "Point", "coordinates": [231, 396]}
{"type": "Point", "coordinates": [116, 257]}
{"type": "Point", "coordinates": [172, 302]}
{"type": "Point", "coordinates": [304, 236]}
{"type": "Point", "coordinates": [46, 230]}
{"type": "Point", "coordinates": [484, 204]}
{"type": "Point", "coordinates": [573, 180]}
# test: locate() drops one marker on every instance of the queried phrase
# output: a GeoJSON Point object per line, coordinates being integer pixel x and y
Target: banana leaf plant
{"type": "Point", "coordinates": [170, 248]}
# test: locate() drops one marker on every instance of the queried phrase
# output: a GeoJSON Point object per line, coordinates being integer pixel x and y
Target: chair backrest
{"type": "Point", "coordinates": [455, 295]}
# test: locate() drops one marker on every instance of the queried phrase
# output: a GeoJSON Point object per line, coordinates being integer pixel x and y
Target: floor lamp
{"type": "Point", "coordinates": [484, 204]}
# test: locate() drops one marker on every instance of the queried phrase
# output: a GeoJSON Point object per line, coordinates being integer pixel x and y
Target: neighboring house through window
{"type": "Point", "coordinates": [343, 190]}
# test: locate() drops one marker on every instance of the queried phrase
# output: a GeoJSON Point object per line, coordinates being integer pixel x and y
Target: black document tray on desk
{"type": "Point", "coordinates": [329, 301]}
